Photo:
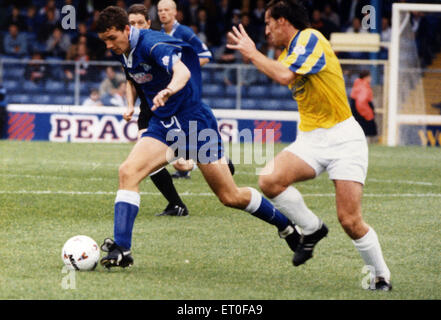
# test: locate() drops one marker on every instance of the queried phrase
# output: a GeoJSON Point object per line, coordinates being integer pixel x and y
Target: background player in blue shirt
{"type": "Point", "coordinates": [167, 12]}
{"type": "Point", "coordinates": [138, 18]}
{"type": "Point", "coordinates": [168, 73]}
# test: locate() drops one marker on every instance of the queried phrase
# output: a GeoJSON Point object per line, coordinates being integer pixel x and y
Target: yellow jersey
{"type": "Point", "coordinates": [319, 87]}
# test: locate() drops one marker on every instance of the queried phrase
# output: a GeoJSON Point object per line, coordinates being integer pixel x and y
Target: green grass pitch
{"type": "Point", "coordinates": [50, 192]}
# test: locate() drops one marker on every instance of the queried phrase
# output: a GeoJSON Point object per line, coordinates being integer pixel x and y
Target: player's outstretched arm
{"type": "Point", "coordinates": [239, 40]}
{"type": "Point", "coordinates": [180, 77]}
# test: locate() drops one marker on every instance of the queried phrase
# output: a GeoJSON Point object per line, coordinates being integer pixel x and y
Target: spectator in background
{"type": "Point", "coordinates": [48, 19]}
{"type": "Point", "coordinates": [118, 98]}
{"type": "Point", "coordinates": [93, 99]}
{"type": "Point", "coordinates": [235, 18]}
{"type": "Point", "coordinates": [78, 52]}
{"type": "Point", "coordinates": [385, 36]}
{"type": "Point", "coordinates": [356, 26]}
{"type": "Point", "coordinates": [58, 43]}
{"type": "Point", "coordinates": [258, 20]}
{"type": "Point", "coordinates": [32, 24]}
{"type": "Point", "coordinates": [92, 21]}
{"type": "Point", "coordinates": [208, 28]}
{"type": "Point", "coordinates": [180, 17]}
{"type": "Point", "coordinates": [361, 101]}
{"type": "Point", "coordinates": [50, 7]}
{"type": "Point", "coordinates": [258, 14]}
{"type": "Point", "coordinates": [95, 46]}
{"type": "Point", "coordinates": [250, 28]}
{"type": "Point", "coordinates": [111, 83]}
{"type": "Point", "coordinates": [224, 16]}
{"type": "Point", "coordinates": [36, 72]}
{"type": "Point", "coordinates": [3, 112]}
{"type": "Point", "coordinates": [190, 9]}
{"type": "Point", "coordinates": [153, 14]}
{"type": "Point", "coordinates": [386, 31]}
{"type": "Point", "coordinates": [15, 43]}
{"type": "Point", "coordinates": [121, 4]}
{"type": "Point", "coordinates": [325, 26]}
{"type": "Point", "coordinates": [17, 19]}
{"type": "Point", "coordinates": [330, 15]}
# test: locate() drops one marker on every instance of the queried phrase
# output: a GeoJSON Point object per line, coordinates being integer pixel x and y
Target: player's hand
{"type": "Point", "coordinates": [161, 98]}
{"type": "Point", "coordinates": [129, 113]}
{"type": "Point", "coordinates": [239, 40]}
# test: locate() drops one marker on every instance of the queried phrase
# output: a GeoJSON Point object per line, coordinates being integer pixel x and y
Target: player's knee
{"type": "Point", "coordinates": [350, 223]}
{"type": "Point", "coordinates": [125, 172]}
{"type": "Point", "coordinates": [231, 200]}
{"type": "Point", "coordinates": [270, 186]}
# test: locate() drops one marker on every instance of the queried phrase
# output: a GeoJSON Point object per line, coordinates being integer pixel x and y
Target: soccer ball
{"type": "Point", "coordinates": [80, 253]}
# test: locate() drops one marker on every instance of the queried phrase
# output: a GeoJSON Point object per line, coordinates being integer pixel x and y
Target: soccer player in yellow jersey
{"type": "Point", "coordinates": [329, 138]}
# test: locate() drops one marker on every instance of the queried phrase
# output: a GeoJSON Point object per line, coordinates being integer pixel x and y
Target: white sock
{"type": "Point", "coordinates": [290, 203]}
{"type": "Point", "coordinates": [370, 251]}
{"type": "Point", "coordinates": [256, 200]}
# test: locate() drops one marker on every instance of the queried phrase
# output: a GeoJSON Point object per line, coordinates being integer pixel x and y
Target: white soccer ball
{"type": "Point", "coordinates": [80, 253]}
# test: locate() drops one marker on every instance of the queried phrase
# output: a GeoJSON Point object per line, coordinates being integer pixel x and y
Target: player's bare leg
{"type": "Point", "coordinates": [348, 201]}
{"type": "Point", "coordinates": [219, 178]}
{"type": "Point", "coordinates": [287, 168]}
{"type": "Point", "coordinates": [147, 155]}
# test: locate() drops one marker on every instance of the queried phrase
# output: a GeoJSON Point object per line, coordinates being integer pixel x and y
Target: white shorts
{"type": "Point", "coordinates": [341, 150]}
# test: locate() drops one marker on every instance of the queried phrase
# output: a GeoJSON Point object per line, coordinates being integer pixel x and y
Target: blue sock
{"type": "Point", "coordinates": [126, 210]}
{"type": "Point", "coordinates": [264, 210]}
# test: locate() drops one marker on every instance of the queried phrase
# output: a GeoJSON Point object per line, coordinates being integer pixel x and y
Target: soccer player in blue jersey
{"type": "Point", "coordinates": [138, 18]}
{"type": "Point", "coordinates": [329, 138]}
{"type": "Point", "coordinates": [168, 72]}
{"type": "Point", "coordinates": [167, 12]}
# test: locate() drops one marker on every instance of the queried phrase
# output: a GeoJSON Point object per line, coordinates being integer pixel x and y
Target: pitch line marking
{"type": "Point", "coordinates": [210, 194]}
{"type": "Point", "coordinates": [421, 183]}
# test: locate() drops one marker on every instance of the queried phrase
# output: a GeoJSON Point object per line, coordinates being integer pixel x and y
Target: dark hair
{"type": "Point", "coordinates": [364, 73]}
{"type": "Point", "coordinates": [139, 8]}
{"type": "Point", "coordinates": [110, 17]}
{"type": "Point", "coordinates": [291, 10]}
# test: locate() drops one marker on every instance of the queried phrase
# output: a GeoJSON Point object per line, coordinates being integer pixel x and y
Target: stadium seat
{"type": "Point", "coordinates": [285, 104]}
{"type": "Point", "coordinates": [62, 99]}
{"type": "Point", "coordinates": [19, 98]}
{"type": "Point", "coordinates": [279, 91]}
{"type": "Point", "coordinates": [248, 104]}
{"type": "Point", "coordinates": [54, 86]}
{"type": "Point", "coordinates": [11, 85]}
{"type": "Point", "coordinates": [13, 72]}
{"type": "Point", "coordinates": [263, 79]}
{"type": "Point", "coordinates": [218, 76]}
{"type": "Point", "coordinates": [32, 87]}
{"type": "Point", "coordinates": [257, 91]}
{"type": "Point", "coordinates": [222, 103]}
{"type": "Point", "coordinates": [213, 90]}
{"type": "Point", "coordinates": [41, 99]}
{"type": "Point", "coordinates": [206, 76]}
{"type": "Point", "coordinates": [231, 91]}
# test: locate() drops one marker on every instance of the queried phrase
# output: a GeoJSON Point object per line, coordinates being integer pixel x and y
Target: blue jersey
{"type": "Point", "coordinates": [187, 35]}
{"type": "Point", "coordinates": [150, 65]}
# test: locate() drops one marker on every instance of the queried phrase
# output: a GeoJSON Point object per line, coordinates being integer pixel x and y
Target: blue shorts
{"type": "Point", "coordinates": [192, 134]}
